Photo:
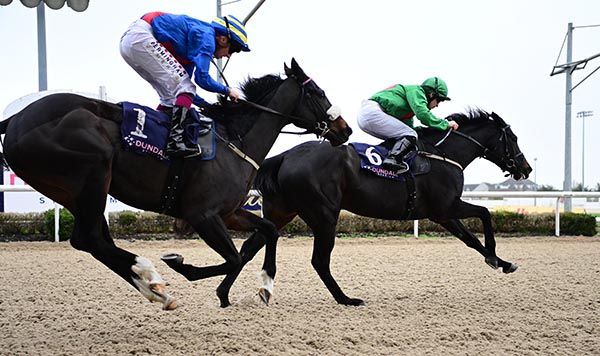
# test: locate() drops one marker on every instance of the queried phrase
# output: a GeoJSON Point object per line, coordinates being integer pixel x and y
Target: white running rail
{"type": "Point", "coordinates": [557, 195]}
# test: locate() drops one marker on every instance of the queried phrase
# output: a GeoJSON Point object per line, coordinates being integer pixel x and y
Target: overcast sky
{"type": "Point", "coordinates": [496, 55]}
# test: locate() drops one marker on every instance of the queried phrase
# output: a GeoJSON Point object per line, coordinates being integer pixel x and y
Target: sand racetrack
{"type": "Point", "coordinates": [427, 296]}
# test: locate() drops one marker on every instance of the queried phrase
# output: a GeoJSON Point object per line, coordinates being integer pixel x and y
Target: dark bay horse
{"type": "Point", "coordinates": [315, 181]}
{"type": "Point", "coordinates": [68, 148]}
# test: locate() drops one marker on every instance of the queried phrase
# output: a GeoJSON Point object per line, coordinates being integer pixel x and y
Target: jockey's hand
{"type": "Point", "coordinates": [453, 125]}
{"type": "Point", "coordinates": [453, 117]}
{"type": "Point", "coordinates": [234, 94]}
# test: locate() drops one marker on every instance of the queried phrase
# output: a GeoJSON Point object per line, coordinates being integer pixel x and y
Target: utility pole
{"type": "Point", "coordinates": [568, 101]}
{"type": "Point", "coordinates": [41, 37]}
{"type": "Point", "coordinates": [568, 68]}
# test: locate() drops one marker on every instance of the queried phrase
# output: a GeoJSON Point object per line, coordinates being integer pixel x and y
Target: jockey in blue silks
{"type": "Point", "coordinates": [166, 49]}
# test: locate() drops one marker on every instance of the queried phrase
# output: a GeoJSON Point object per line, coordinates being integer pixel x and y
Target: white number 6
{"type": "Point", "coordinates": [373, 156]}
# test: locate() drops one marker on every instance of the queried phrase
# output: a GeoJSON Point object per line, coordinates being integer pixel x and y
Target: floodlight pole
{"type": "Point", "coordinates": [568, 101]}
{"type": "Point", "coordinates": [583, 115]}
{"type": "Point", "coordinates": [568, 68]}
{"type": "Point", "coordinates": [41, 34]}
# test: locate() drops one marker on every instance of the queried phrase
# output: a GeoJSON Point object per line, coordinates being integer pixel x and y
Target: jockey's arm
{"type": "Point", "coordinates": [202, 76]}
{"type": "Point", "coordinates": [418, 103]}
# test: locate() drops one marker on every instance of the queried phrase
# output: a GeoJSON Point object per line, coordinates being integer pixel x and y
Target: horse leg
{"type": "Point", "coordinates": [243, 220]}
{"type": "Point", "coordinates": [214, 232]}
{"type": "Point", "coordinates": [469, 239]}
{"type": "Point", "coordinates": [507, 267]}
{"type": "Point", "coordinates": [274, 211]}
{"type": "Point", "coordinates": [91, 234]}
{"type": "Point", "coordinates": [324, 241]}
{"type": "Point", "coordinates": [85, 197]}
{"type": "Point", "coordinates": [462, 210]}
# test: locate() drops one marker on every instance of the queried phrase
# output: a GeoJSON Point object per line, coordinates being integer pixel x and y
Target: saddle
{"type": "Point", "coordinates": [372, 156]}
{"type": "Point", "coordinates": [145, 131]}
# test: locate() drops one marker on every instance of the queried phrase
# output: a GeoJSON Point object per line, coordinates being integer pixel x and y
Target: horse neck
{"type": "Point", "coordinates": [261, 137]}
{"type": "Point", "coordinates": [461, 149]}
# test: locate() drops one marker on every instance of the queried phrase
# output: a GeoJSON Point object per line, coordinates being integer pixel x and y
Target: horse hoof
{"type": "Point", "coordinates": [510, 269]}
{"type": "Point", "coordinates": [265, 295]}
{"type": "Point", "coordinates": [492, 262]}
{"type": "Point", "coordinates": [172, 259]}
{"type": "Point", "coordinates": [355, 302]}
{"type": "Point", "coordinates": [223, 298]}
{"type": "Point", "coordinates": [170, 304]}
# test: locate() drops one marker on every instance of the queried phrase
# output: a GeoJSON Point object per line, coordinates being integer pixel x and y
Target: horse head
{"type": "Point", "coordinates": [506, 154]}
{"type": "Point", "coordinates": [314, 112]}
{"type": "Point", "coordinates": [497, 141]}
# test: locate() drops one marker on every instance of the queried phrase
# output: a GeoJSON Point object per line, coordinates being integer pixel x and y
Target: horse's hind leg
{"type": "Point", "coordinates": [324, 241]}
{"type": "Point", "coordinates": [91, 234]}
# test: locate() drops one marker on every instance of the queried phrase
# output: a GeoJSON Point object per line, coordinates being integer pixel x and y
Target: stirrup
{"type": "Point", "coordinates": [396, 167]}
{"type": "Point", "coordinates": [196, 152]}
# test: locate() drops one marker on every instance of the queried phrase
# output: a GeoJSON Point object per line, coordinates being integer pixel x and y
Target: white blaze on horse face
{"type": "Point", "coordinates": [267, 281]}
{"type": "Point", "coordinates": [150, 283]}
{"type": "Point", "coordinates": [334, 112]}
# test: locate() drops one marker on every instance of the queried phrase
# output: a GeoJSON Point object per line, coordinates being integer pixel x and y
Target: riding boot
{"type": "Point", "coordinates": [395, 158]}
{"type": "Point", "coordinates": [176, 146]}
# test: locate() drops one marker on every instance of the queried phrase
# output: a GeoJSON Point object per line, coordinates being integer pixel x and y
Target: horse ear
{"type": "Point", "coordinates": [287, 70]}
{"type": "Point", "coordinates": [497, 119]}
{"type": "Point", "coordinates": [298, 72]}
{"type": "Point", "coordinates": [494, 115]}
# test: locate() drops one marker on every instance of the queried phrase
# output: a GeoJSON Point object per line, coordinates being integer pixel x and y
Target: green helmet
{"type": "Point", "coordinates": [436, 86]}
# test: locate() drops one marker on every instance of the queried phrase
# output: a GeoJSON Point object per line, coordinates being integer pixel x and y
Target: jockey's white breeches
{"type": "Point", "coordinates": [142, 51]}
{"type": "Point", "coordinates": [374, 121]}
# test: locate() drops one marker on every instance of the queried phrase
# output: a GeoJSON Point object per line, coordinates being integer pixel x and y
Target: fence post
{"type": "Point", "coordinates": [557, 218]}
{"type": "Point", "coordinates": [56, 222]}
{"type": "Point", "coordinates": [416, 228]}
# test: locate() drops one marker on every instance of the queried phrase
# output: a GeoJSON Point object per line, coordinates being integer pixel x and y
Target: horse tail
{"type": "Point", "coordinates": [4, 125]}
{"type": "Point", "coordinates": [266, 178]}
{"type": "Point", "coordinates": [3, 128]}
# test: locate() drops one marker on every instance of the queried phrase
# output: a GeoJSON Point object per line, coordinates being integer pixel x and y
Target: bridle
{"type": "Point", "coordinates": [321, 127]}
{"type": "Point", "coordinates": [507, 158]}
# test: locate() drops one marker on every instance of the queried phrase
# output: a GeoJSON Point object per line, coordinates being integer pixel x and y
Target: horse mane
{"type": "Point", "coordinates": [473, 116]}
{"type": "Point", "coordinates": [257, 89]}
{"type": "Point", "coordinates": [235, 119]}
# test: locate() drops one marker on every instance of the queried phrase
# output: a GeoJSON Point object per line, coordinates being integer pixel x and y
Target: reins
{"type": "Point", "coordinates": [321, 126]}
{"type": "Point", "coordinates": [486, 152]}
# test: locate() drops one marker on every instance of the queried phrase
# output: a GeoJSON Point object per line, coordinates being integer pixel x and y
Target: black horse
{"type": "Point", "coordinates": [68, 148]}
{"type": "Point", "coordinates": [315, 181]}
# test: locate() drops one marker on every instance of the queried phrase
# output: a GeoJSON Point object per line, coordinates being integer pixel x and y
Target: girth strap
{"type": "Point", "coordinates": [171, 195]}
{"type": "Point", "coordinates": [412, 196]}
